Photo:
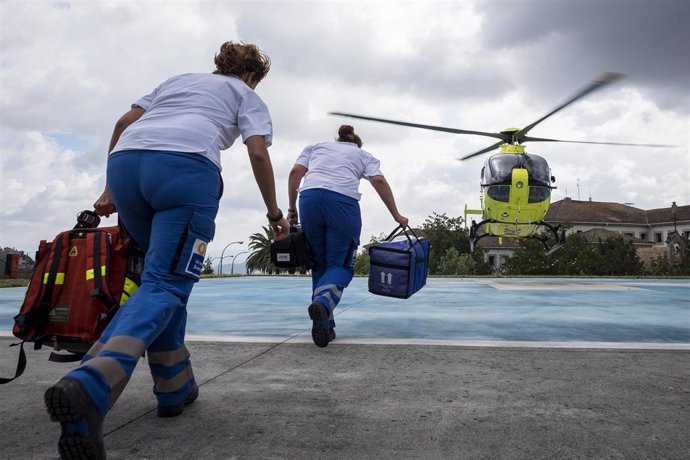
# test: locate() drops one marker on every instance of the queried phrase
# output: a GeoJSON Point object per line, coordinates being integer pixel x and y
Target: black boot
{"type": "Point", "coordinates": [320, 327]}
{"type": "Point", "coordinates": [174, 411]}
{"type": "Point", "coordinates": [82, 425]}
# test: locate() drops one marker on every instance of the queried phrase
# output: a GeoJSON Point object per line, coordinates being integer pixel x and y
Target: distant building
{"type": "Point", "coordinates": [652, 231]}
{"type": "Point", "coordinates": [497, 251]}
{"type": "Point", "coordinates": [24, 263]}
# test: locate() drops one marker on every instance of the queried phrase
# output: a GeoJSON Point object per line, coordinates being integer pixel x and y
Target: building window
{"type": "Point", "coordinates": [628, 234]}
{"type": "Point", "coordinates": [643, 236]}
{"type": "Point", "coordinates": [492, 260]}
{"type": "Point", "coordinates": [686, 234]}
{"type": "Point", "coordinates": [658, 237]}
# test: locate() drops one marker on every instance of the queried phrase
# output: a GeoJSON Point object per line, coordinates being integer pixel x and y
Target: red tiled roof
{"type": "Point", "coordinates": [492, 242]}
{"type": "Point", "coordinates": [593, 235]}
{"type": "Point", "coordinates": [665, 215]}
{"type": "Point", "coordinates": [595, 212]}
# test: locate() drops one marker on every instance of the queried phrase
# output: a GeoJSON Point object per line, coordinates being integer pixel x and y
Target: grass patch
{"type": "Point", "coordinates": [13, 283]}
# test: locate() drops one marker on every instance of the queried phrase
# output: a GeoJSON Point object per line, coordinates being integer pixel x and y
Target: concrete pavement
{"type": "Point", "coordinates": [292, 400]}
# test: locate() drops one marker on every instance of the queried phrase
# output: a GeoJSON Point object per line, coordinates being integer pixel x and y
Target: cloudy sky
{"type": "Point", "coordinates": [69, 69]}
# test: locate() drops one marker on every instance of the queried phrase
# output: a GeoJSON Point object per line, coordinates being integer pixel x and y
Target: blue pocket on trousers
{"type": "Point", "coordinates": [191, 251]}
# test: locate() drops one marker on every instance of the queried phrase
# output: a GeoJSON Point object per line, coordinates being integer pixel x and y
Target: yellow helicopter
{"type": "Point", "coordinates": [516, 185]}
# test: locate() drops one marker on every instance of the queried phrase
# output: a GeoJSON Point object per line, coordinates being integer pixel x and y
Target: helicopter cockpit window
{"type": "Point", "coordinates": [537, 194]}
{"type": "Point", "coordinates": [498, 169]}
{"type": "Point", "coordinates": [499, 193]}
{"type": "Point", "coordinates": [538, 170]}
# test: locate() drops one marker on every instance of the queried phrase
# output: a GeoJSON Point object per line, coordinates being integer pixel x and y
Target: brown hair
{"type": "Point", "coordinates": [238, 58]}
{"type": "Point", "coordinates": [346, 133]}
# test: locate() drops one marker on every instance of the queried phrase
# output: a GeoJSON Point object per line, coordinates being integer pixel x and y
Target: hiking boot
{"type": "Point", "coordinates": [82, 425]}
{"type": "Point", "coordinates": [320, 329]}
{"type": "Point", "coordinates": [174, 411]}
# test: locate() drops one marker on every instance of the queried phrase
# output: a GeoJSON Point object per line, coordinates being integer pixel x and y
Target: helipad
{"type": "Point", "coordinates": [556, 312]}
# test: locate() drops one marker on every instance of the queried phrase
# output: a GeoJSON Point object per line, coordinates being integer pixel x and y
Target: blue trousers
{"type": "Point", "coordinates": [332, 224]}
{"type": "Point", "coordinates": [168, 202]}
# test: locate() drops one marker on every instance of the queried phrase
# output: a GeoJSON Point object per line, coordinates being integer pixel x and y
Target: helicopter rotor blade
{"type": "Point", "coordinates": [543, 139]}
{"type": "Point", "coordinates": [416, 125]}
{"type": "Point", "coordinates": [484, 150]}
{"type": "Point", "coordinates": [608, 77]}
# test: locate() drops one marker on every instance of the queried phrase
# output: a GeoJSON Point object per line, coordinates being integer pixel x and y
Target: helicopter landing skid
{"type": "Point", "coordinates": [555, 230]}
{"type": "Point", "coordinates": [474, 237]}
{"type": "Point", "coordinates": [557, 233]}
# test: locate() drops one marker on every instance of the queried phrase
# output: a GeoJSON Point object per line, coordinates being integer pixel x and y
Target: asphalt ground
{"type": "Point", "coordinates": [288, 399]}
{"type": "Point", "coordinates": [465, 369]}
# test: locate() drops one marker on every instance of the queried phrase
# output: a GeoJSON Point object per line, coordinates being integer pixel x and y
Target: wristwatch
{"type": "Point", "coordinates": [275, 219]}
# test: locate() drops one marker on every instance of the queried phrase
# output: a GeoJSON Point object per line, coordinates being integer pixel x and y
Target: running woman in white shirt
{"type": "Point", "coordinates": [163, 178]}
{"type": "Point", "coordinates": [331, 218]}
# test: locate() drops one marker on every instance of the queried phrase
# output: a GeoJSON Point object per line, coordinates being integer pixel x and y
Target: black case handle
{"type": "Point", "coordinates": [401, 229]}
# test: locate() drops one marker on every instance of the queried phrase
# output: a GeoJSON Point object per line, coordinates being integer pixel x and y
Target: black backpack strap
{"type": "Point", "coordinates": [21, 363]}
{"type": "Point", "coordinates": [51, 275]}
{"type": "Point", "coordinates": [98, 260]}
{"type": "Point", "coordinates": [51, 283]}
{"type": "Point", "coordinates": [65, 358]}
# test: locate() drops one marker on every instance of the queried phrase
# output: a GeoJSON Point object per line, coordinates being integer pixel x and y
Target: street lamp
{"type": "Point", "coordinates": [232, 265]}
{"type": "Point", "coordinates": [220, 260]}
{"type": "Point", "coordinates": [220, 268]}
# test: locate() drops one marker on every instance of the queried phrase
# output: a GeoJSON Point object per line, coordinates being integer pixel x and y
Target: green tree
{"type": "Point", "coordinates": [480, 266]}
{"type": "Point", "coordinates": [259, 259]}
{"type": "Point", "coordinates": [611, 257]}
{"type": "Point", "coordinates": [529, 258]}
{"type": "Point", "coordinates": [576, 257]}
{"type": "Point", "coordinates": [450, 263]}
{"type": "Point", "coordinates": [659, 266]}
{"type": "Point", "coordinates": [443, 233]}
{"type": "Point", "coordinates": [618, 257]}
{"type": "Point", "coordinates": [683, 268]}
{"type": "Point", "coordinates": [208, 267]}
{"type": "Point", "coordinates": [362, 262]}
{"type": "Point", "coordinates": [454, 263]}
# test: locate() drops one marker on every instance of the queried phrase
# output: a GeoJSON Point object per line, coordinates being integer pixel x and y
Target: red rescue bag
{"type": "Point", "coordinates": [79, 282]}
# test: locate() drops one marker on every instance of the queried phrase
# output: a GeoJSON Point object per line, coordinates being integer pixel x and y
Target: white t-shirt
{"type": "Point", "coordinates": [337, 166]}
{"type": "Point", "coordinates": [198, 113]}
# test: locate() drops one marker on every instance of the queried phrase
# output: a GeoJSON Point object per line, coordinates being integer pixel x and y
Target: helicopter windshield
{"type": "Point", "coordinates": [538, 194]}
{"type": "Point", "coordinates": [498, 169]}
{"type": "Point", "coordinates": [501, 193]}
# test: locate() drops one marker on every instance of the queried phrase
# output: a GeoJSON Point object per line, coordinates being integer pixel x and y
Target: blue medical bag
{"type": "Point", "coordinates": [399, 264]}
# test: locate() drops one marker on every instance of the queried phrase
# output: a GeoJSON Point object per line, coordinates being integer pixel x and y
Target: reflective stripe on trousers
{"type": "Point", "coordinates": [168, 202]}
{"type": "Point", "coordinates": [332, 225]}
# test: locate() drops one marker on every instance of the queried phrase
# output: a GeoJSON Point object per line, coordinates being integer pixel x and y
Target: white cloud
{"type": "Point", "coordinates": [69, 69]}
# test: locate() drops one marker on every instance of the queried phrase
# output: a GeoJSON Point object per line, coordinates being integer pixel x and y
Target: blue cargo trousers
{"type": "Point", "coordinates": [167, 201]}
{"type": "Point", "coordinates": [332, 224]}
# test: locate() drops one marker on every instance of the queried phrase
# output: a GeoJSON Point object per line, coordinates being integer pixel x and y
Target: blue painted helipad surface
{"type": "Point", "coordinates": [446, 309]}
